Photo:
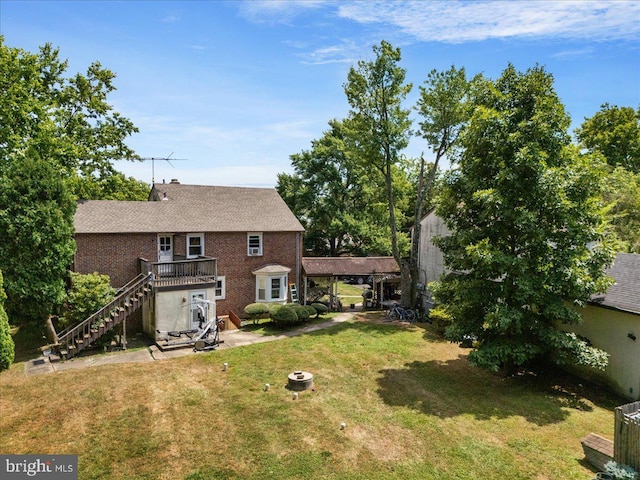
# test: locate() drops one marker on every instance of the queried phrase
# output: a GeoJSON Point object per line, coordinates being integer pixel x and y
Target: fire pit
{"type": "Point", "coordinates": [299, 381]}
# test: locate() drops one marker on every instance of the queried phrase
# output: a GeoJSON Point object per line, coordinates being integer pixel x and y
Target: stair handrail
{"type": "Point", "coordinates": [125, 292]}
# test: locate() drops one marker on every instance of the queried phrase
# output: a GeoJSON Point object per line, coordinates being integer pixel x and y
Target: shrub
{"type": "Point", "coordinates": [311, 311]}
{"type": "Point", "coordinates": [283, 315]}
{"type": "Point", "coordinates": [7, 347]}
{"type": "Point", "coordinates": [254, 309]}
{"type": "Point", "coordinates": [257, 311]}
{"type": "Point", "coordinates": [88, 294]}
{"type": "Point", "coordinates": [320, 308]}
{"type": "Point", "coordinates": [440, 317]}
{"type": "Point", "coordinates": [620, 472]}
{"type": "Point", "coordinates": [301, 311]}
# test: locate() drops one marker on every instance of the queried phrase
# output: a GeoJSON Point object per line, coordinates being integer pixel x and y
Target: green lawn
{"type": "Point", "coordinates": [413, 408]}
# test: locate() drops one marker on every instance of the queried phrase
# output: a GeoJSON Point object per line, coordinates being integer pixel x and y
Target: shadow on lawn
{"type": "Point", "coordinates": [454, 387]}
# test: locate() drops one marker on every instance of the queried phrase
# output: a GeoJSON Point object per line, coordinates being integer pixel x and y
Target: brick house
{"type": "Point", "coordinates": [229, 245]}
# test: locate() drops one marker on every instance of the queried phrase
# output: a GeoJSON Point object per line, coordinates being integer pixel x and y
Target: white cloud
{"type": "Point", "coordinates": [276, 11]}
{"type": "Point", "coordinates": [458, 21]}
{"type": "Point", "coordinates": [345, 52]}
{"type": "Point", "coordinates": [170, 19]}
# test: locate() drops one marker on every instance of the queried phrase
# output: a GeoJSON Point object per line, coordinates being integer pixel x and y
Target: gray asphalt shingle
{"type": "Point", "coordinates": [190, 208]}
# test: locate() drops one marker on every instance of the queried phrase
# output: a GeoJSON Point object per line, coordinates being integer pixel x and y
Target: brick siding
{"type": "Point", "coordinates": [117, 255]}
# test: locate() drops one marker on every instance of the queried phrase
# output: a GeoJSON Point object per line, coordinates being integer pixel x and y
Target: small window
{"type": "Point", "coordinates": [195, 245]}
{"type": "Point", "coordinates": [254, 244]}
{"type": "Point", "coordinates": [276, 288]}
{"type": "Point", "coordinates": [221, 288]}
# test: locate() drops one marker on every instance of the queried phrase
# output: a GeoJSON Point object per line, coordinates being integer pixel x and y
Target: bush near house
{"type": "Point", "coordinates": [88, 294]}
{"type": "Point", "coordinates": [320, 308]}
{"type": "Point", "coordinates": [257, 311]}
{"type": "Point", "coordinates": [283, 315]}
{"type": "Point", "coordinates": [301, 311]}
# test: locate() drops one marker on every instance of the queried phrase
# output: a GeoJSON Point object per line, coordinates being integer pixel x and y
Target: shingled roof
{"type": "Point", "coordinates": [625, 293]}
{"type": "Point", "coordinates": [190, 208]}
{"type": "Point", "coordinates": [338, 266]}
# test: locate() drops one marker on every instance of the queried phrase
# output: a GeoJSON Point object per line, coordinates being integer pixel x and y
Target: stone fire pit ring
{"type": "Point", "coordinates": [299, 381]}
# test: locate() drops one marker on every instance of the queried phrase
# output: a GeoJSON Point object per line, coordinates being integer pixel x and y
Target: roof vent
{"type": "Point", "coordinates": [174, 181]}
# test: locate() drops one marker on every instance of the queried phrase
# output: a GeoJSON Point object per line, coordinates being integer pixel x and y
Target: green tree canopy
{"type": "Point", "coordinates": [528, 237]}
{"type": "Point", "coordinates": [327, 196]}
{"type": "Point", "coordinates": [615, 133]}
{"type": "Point", "coordinates": [65, 120]}
{"type": "Point", "coordinates": [379, 130]}
{"type": "Point", "coordinates": [7, 347]}
{"type": "Point", "coordinates": [58, 136]}
{"type": "Point", "coordinates": [622, 193]}
{"type": "Point", "coordinates": [36, 218]}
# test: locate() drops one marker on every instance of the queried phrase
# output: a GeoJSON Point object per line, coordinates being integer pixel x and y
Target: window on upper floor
{"type": "Point", "coordinates": [254, 244]}
{"type": "Point", "coordinates": [195, 245]}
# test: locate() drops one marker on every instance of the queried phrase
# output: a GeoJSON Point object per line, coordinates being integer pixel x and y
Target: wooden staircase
{"type": "Point", "coordinates": [76, 338]}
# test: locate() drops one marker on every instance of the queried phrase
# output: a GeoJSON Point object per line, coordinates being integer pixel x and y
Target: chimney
{"type": "Point", "coordinates": [174, 181]}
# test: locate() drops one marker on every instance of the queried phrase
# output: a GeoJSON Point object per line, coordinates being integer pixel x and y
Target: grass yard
{"type": "Point", "coordinates": [413, 408]}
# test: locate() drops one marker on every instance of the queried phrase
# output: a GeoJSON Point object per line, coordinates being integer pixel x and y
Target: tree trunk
{"type": "Point", "coordinates": [52, 336]}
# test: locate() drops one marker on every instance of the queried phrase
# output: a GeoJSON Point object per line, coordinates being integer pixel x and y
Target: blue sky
{"type": "Point", "coordinates": [237, 87]}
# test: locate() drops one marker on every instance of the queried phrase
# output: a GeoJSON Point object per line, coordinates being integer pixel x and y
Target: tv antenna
{"type": "Point", "coordinates": [167, 159]}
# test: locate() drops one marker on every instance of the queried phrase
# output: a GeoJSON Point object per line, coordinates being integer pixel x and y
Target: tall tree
{"type": "Point", "coordinates": [342, 213]}
{"type": "Point", "coordinates": [53, 129]}
{"type": "Point", "coordinates": [529, 239]}
{"type": "Point", "coordinates": [379, 130]}
{"type": "Point", "coordinates": [36, 218]}
{"type": "Point", "coordinates": [615, 133]}
{"type": "Point", "coordinates": [443, 105]}
{"type": "Point", "coordinates": [622, 194]}
{"type": "Point", "coordinates": [65, 120]}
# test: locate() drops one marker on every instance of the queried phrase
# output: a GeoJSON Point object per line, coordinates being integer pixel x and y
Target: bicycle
{"type": "Point", "coordinates": [403, 314]}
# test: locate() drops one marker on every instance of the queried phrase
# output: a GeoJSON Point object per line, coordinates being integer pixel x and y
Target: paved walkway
{"type": "Point", "coordinates": [229, 338]}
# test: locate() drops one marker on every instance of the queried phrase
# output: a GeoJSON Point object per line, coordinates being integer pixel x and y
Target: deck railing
{"type": "Point", "coordinates": [181, 272]}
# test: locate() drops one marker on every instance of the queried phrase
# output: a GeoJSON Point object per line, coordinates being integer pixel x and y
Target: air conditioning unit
{"type": "Point", "coordinates": [254, 251]}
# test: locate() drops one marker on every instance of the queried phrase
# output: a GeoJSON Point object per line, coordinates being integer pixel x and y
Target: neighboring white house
{"type": "Point", "coordinates": [430, 258]}
{"type": "Point", "coordinates": [612, 323]}
{"type": "Point", "coordinates": [611, 320]}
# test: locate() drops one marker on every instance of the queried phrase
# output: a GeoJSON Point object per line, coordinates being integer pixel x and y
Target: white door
{"type": "Point", "coordinates": [165, 253]}
{"type": "Point", "coordinates": [199, 310]}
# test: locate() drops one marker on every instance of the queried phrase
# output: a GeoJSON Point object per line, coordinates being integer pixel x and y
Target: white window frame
{"type": "Point", "coordinates": [221, 285]}
{"type": "Point", "coordinates": [253, 251]}
{"type": "Point", "coordinates": [194, 295]}
{"type": "Point", "coordinates": [189, 237]}
{"type": "Point", "coordinates": [264, 288]}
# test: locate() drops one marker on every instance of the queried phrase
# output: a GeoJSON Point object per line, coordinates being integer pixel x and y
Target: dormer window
{"type": "Point", "coordinates": [254, 244]}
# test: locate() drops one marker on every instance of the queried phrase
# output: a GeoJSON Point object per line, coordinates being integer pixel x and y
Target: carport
{"type": "Point", "coordinates": [382, 270]}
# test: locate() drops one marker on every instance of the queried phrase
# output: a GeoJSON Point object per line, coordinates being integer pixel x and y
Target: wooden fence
{"type": "Point", "coordinates": [627, 435]}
